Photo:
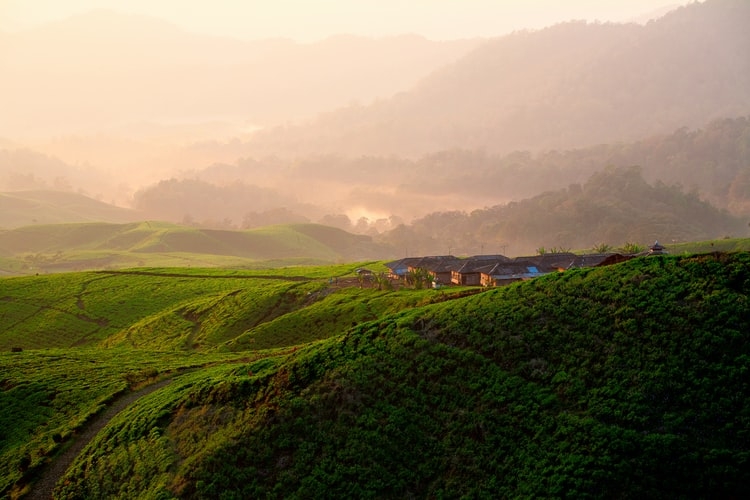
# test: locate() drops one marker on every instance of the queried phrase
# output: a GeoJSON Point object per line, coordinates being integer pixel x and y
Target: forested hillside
{"type": "Point", "coordinates": [625, 381]}
{"type": "Point", "coordinates": [711, 161]}
{"type": "Point", "coordinates": [563, 87]}
{"type": "Point", "coordinates": [613, 207]}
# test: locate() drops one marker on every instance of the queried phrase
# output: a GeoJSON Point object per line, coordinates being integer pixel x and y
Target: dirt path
{"type": "Point", "coordinates": [53, 472]}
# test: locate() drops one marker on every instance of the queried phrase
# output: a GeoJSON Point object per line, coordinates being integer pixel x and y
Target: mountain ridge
{"type": "Point", "coordinates": [565, 86]}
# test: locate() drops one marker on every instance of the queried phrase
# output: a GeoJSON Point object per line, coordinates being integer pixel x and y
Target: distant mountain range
{"type": "Point", "coordinates": [518, 115]}
{"type": "Point", "coordinates": [614, 208]}
{"type": "Point", "coordinates": [566, 86]}
{"type": "Point", "coordinates": [105, 71]}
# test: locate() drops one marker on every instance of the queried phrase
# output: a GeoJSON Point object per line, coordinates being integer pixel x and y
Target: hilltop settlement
{"type": "Point", "coordinates": [498, 270]}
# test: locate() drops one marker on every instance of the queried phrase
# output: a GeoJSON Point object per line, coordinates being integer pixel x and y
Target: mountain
{"type": "Point", "coordinates": [24, 208]}
{"type": "Point", "coordinates": [615, 206]}
{"type": "Point", "coordinates": [563, 87]}
{"type": "Point", "coordinates": [710, 160]}
{"type": "Point", "coordinates": [106, 71]}
{"type": "Point", "coordinates": [620, 381]}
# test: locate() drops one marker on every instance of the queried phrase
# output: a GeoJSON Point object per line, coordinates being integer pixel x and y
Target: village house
{"type": "Point", "coordinates": [509, 272]}
{"type": "Point", "coordinates": [469, 272]}
{"type": "Point", "coordinates": [598, 260]}
{"type": "Point", "coordinates": [497, 270]}
{"type": "Point", "coordinates": [397, 269]}
{"type": "Point", "coordinates": [549, 262]}
{"type": "Point", "coordinates": [439, 267]}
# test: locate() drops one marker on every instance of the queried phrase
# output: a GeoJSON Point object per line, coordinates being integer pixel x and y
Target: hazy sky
{"type": "Point", "coordinates": [308, 20]}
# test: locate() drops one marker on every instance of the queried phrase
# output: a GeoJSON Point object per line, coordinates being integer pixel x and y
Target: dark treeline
{"type": "Point", "coordinates": [713, 161]}
{"type": "Point", "coordinates": [614, 207]}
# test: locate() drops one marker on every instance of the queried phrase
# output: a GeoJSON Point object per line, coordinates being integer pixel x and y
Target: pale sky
{"type": "Point", "coordinates": [310, 20]}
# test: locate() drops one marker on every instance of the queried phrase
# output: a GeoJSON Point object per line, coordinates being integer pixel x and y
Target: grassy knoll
{"type": "Point", "coordinates": [627, 381]}
{"type": "Point", "coordinates": [78, 309]}
{"type": "Point", "coordinates": [720, 245]}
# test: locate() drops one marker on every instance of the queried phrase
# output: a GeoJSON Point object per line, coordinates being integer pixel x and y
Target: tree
{"type": "Point", "coordinates": [418, 278]}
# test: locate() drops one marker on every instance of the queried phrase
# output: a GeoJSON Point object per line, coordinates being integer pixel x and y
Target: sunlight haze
{"type": "Point", "coordinates": [308, 21]}
{"type": "Point", "coordinates": [359, 114]}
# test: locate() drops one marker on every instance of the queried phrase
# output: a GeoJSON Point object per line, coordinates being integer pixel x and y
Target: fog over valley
{"type": "Point", "coordinates": [379, 134]}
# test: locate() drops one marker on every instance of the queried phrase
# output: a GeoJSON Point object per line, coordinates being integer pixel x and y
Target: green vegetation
{"type": "Point", "coordinates": [75, 247]}
{"type": "Point", "coordinates": [613, 207]}
{"type": "Point", "coordinates": [47, 395]}
{"type": "Point", "coordinates": [193, 309]}
{"type": "Point", "coordinates": [628, 380]}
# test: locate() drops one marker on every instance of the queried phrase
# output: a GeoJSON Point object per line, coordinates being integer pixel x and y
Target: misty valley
{"type": "Point", "coordinates": [508, 267]}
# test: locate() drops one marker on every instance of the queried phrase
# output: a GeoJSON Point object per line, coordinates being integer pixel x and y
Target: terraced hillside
{"type": "Point", "coordinates": [627, 381]}
{"type": "Point", "coordinates": [74, 342]}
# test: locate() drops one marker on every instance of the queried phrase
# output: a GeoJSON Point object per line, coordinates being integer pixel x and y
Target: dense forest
{"type": "Point", "coordinates": [687, 185]}
{"type": "Point", "coordinates": [713, 161]}
{"type": "Point", "coordinates": [613, 208]}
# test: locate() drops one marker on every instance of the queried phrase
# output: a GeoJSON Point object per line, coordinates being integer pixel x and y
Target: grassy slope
{"type": "Point", "coordinates": [46, 395]}
{"type": "Point", "coordinates": [626, 381]}
{"type": "Point", "coordinates": [150, 322]}
{"type": "Point", "coordinates": [70, 247]}
{"type": "Point", "coordinates": [186, 309]}
{"type": "Point", "coordinates": [57, 207]}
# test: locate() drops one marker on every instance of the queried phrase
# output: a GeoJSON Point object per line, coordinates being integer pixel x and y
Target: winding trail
{"type": "Point", "coordinates": [42, 488]}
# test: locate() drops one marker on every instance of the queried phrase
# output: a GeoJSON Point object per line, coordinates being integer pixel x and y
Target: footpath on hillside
{"type": "Point", "coordinates": [42, 488]}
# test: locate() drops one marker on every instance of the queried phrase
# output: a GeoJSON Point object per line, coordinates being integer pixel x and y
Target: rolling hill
{"type": "Point", "coordinates": [24, 208]}
{"type": "Point", "coordinates": [614, 206]}
{"type": "Point", "coordinates": [624, 381]}
{"type": "Point", "coordinates": [65, 247]}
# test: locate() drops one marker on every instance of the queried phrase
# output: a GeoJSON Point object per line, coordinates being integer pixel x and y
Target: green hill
{"type": "Point", "coordinates": [614, 206]}
{"type": "Point", "coordinates": [627, 381]}
{"type": "Point", "coordinates": [24, 208]}
{"type": "Point", "coordinates": [69, 247]}
{"type": "Point", "coordinates": [132, 326]}
{"type": "Point", "coordinates": [191, 309]}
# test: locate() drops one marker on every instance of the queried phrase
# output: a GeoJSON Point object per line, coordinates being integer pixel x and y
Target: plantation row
{"type": "Point", "coordinates": [152, 323]}
{"type": "Point", "coordinates": [47, 395]}
{"type": "Point", "coordinates": [620, 381]}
